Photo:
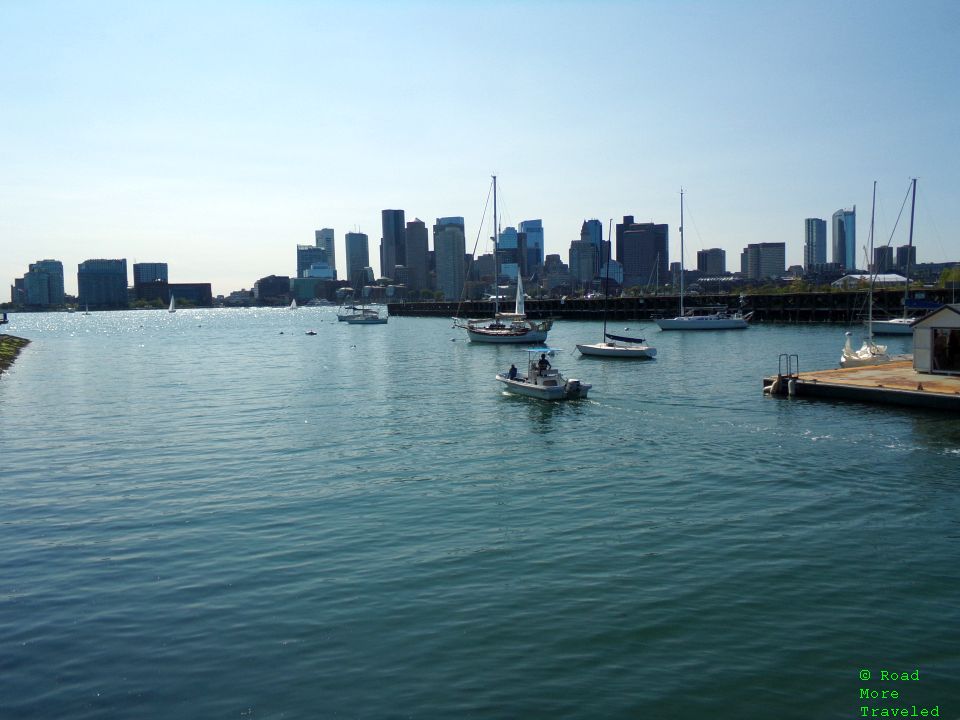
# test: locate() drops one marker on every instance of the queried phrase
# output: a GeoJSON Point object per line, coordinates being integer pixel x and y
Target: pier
{"type": "Point", "coordinates": [895, 383]}
{"type": "Point", "coordinates": [800, 307]}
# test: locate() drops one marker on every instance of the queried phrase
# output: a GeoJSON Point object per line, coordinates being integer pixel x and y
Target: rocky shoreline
{"type": "Point", "coordinates": [10, 347]}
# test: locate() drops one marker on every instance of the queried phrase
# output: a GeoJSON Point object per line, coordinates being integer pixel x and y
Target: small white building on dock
{"type": "Point", "coordinates": [936, 342]}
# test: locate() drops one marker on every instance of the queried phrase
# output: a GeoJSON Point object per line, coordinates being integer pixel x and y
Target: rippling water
{"type": "Point", "coordinates": [212, 514]}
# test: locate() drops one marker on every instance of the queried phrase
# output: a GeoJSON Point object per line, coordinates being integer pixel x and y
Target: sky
{"type": "Point", "coordinates": [216, 136]}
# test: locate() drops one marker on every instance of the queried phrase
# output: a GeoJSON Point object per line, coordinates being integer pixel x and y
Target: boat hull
{"type": "Point", "coordinates": [571, 389]}
{"type": "Point", "coordinates": [366, 320]}
{"type": "Point", "coordinates": [637, 352]}
{"type": "Point", "coordinates": [483, 335]}
{"type": "Point", "coordinates": [897, 326]}
{"type": "Point", "coordinates": [702, 323]}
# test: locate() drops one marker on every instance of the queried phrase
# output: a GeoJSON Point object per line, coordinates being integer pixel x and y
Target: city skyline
{"type": "Point", "coordinates": [217, 138]}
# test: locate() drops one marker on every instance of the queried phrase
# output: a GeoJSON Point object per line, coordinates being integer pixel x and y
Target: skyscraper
{"type": "Point", "coordinates": [761, 261]}
{"type": "Point", "coordinates": [358, 257]}
{"type": "Point", "coordinates": [102, 283]}
{"type": "Point", "coordinates": [308, 255]}
{"type": "Point", "coordinates": [592, 232]}
{"type": "Point", "coordinates": [643, 250]}
{"type": "Point", "coordinates": [449, 246]}
{"type": "Point", "coordinates": [533, 247]}
{"type": "Point", "coordinates": [906, 255]}
{"type": "Point", "coordinates": [712, 261]}
{"type": "Point", "coordinates": [845, 238]}
{"type": "Point", "coordinates": [583, 263]}
{"type": "Point", "coordinates": [393, 247]}
{"type": "Point", "coordinates": [324, 239]}
{"type": "Point", "coordinates": [418, 256]}
{"type": "Point", "coordinates": [43, 283]}
{"type": "Point", "coordinates": [815, 243]}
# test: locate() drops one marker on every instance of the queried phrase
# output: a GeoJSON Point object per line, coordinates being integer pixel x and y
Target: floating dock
{"type": "Point", "coordinates": [895, 383]}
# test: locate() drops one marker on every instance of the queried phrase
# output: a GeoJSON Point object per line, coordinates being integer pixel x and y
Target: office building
{"type": "Point", "coordinates": [584, 258]}
{"type": "Point", "coordinates": [392, 243]}
{"type": "Point", "coordinates": [592, 231]}
{"type": "Point", "coordinates": [417, 242]}
{"type": "Point", "coordinates": [643, 251]}
{"type": "Point", "coordinates": [42, 284]}
{"type": "Point", "coordinates": [882, 259]}
{"type": "Point", "coordinates": [712, 261]}
{"type": "Point", "coordinates": [358, 257]}
{"type": "Point", "coordinates": [530, 245]}
{"type": "Point", "coordinates": [815, 243]}
{"type": "Point", "coordinates": [308, 256]}
{"type": "Point", "coordinates": [906, 255]}
{"type": "Point", "coordinates": [150, 273]}
{"type": "Point", "coordinates": [845, 238]}
{"type": "Point", "coordinates": [102, 283]}
{"type": "Point", "coordinates": [449, 246]}
{"type": "Point", "coordinates": [762, 261]}
{"type": "Point", "coordinates": [324, 239]}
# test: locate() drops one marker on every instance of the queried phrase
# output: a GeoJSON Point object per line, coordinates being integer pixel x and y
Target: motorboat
{"type": "Point", "coordinates": [541, 380]}
{"type": "Point", "coordinates": [367, 317]}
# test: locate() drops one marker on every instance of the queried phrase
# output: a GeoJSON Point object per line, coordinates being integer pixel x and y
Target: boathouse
{"type": "Point", "coordinates": [936, 341]}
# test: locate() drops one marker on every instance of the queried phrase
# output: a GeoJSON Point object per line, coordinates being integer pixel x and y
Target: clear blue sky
{"type": "Point", "coordinates": [215, 136]}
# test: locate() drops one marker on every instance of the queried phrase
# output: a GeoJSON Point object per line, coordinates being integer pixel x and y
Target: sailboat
{"type": "Point", "coordinates": [619, 346]}
{"type": "Point", "coordinates": [86, 309]}
{"type": "Point", "coordinates": [173, 304]}
{"type": "Point", "coordinates": [512, 327]}
{"type": "Point", "coordinates": [901, 325]}
{"type": "Point", "coordinates": [293, 304]}
{"type": "Point", "coordinates": [870, 353]}
{"type": "Point", "coordinates": [711, 317]}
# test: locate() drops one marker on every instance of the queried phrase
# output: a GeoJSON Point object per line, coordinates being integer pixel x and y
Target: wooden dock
{"type": "Point", "coordinates": [894, 383]}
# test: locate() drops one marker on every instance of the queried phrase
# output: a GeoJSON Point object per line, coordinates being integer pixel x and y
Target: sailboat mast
{"type": "Point", "coordinates": [606, 279]}
{"type": "Point", "coordinates": [681, 252]}
{"type": "Point", "coordinates": [873, 208]}
{"type": "Point", "coordinates": [906, 287]}
{"type": "Point", "coordinates": [496, 258]}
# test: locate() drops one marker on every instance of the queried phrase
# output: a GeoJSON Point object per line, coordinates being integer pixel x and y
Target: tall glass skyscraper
{"type": "Point", "coordinates": [845, 238]}
{"type": "Point", "coordinates": [358, 257]}
{"type": "Point", "coordinates": [533, 229]}
{"type": "Point", "coordinates": [815, 243]}
{"type": "Point", "coordinates": [393, 247]}
{"type": "Point", "coordinates": [324, 239]}
{"type": "Point", "coordinates": [449, 247]}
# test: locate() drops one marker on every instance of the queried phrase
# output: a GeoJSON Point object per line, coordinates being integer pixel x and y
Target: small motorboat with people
{"type": "Point", "coordinates": [542, 380]}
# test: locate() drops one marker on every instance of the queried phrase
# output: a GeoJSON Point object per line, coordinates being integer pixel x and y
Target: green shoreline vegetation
{"type": "Point", "coordinates": [10, 347]}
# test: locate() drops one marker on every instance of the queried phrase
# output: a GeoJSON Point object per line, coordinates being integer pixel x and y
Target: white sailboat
{"type": "Point", "coordinates": [870, 353]}
{"type": "Point", "coordinates": [703, 318]}
{"type": "Point", "coordinates": [173, 304]}
{"type": "Point", "coordinates": [618, 346]}
{"type": "Point", "coordinates": [293, 304]}
{"type": "Point", "coordinates": [512, 327]}
{"type": "Point", "coordinates": [901, 325]}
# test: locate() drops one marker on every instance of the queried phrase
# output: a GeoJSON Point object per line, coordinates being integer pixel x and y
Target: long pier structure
{"type": "Point", "coordinates": [800, 307]}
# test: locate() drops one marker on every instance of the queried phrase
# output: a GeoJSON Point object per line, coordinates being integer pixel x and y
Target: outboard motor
{"type": "Point", "coordinates": [572, 387]}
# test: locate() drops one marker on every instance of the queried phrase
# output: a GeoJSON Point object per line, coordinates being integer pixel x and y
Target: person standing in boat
{"type": "Point", "coordinates": [543, 364]}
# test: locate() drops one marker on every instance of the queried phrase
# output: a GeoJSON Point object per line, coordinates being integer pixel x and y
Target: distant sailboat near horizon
{"type": "Point", "coordinates": [173, 304]}
{"type": "Point", "coordinates": [710, 317]}
{"type": "Point", "coordinates": [293, 304]}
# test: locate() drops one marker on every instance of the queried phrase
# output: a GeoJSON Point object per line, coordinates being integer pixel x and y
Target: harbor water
{"type": "Point", "coordinates": [212, 514]}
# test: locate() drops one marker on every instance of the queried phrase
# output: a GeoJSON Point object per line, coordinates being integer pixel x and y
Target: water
{"type": "Point", "coordinates": [211, 514]}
